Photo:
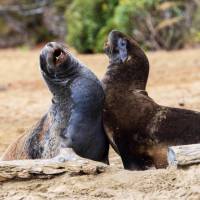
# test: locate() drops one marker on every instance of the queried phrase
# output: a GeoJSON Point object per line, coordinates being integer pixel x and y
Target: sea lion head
{"type": "Point", "coordinates": [116, 47]}
{"type": "Point", "coordinates": [128, 62]}
{"type": "Point", "coordinates": [55, 60]}
{"type": "Point", "coordinates": [121, 48]}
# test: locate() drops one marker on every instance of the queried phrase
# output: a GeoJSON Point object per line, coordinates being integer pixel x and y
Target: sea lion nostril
{"type": "Point", "coordinates": [50, 44]}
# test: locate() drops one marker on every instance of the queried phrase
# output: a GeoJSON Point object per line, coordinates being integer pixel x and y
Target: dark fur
{"type": "Point", "coordinates": [139, 129]}
{"type": "Point", "coordinates": [74, 119]}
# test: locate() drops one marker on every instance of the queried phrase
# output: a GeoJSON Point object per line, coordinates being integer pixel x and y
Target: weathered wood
{"type": "Point", "coordinates": [184, 155]}
{"type": "Point", "coordinates": [30, 169]}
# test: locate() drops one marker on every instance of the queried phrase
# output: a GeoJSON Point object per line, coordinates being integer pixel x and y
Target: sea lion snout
{"type": "Point", "coordinates": [52, 56]}
{"type": "Point", "coordinates": [116, 47]}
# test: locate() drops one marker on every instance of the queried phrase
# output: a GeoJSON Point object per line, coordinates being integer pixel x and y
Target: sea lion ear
{"type": "Point", "coordinates": [122, 45]}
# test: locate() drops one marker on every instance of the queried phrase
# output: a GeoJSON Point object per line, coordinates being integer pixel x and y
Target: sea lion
{"type": "Point", "coordinates": [139, 129]}
{"type": "Point", "coordinates": [74, 119]}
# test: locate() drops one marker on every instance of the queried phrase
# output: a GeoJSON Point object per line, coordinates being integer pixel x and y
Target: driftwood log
{"type": "Point", "coordinates": [30, 169]}
{"type": "Point", "coordinates": [184, 155]}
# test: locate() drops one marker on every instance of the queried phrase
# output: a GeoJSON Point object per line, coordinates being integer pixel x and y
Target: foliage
{"type": "Point", "coordinates": [155, 24]}
{"type": "Point", "coordinates": [130, 16]}
{"type": "Point", "coordinates": [29, 21]}
{"type": "Point", "coordinates": [85, 20]}
{"type": "Point", "coordinates": [195, 28]}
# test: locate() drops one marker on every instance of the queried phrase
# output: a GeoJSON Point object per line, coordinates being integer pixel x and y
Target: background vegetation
{"type": "Point", "coordinates": [155, 24]}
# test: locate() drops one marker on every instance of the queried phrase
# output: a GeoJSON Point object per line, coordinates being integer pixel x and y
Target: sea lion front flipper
{"type": "Point", "coordinates": [67, 154]}
{"type": "Point", "coordinates": [129, 161]}
{"type": "Point", "coordinates": [144, 92]}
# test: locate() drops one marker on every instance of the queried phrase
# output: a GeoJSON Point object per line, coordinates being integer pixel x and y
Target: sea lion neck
{"type": "Point", "coordinates": [132, 74]}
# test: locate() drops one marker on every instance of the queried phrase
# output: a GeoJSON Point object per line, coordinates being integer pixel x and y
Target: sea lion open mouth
{"type": "Point", "coordinates": [59, 56]}
{"type": "Point", "coordinates": [54, 58]}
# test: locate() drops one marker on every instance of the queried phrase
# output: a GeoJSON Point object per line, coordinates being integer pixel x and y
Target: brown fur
{"type": "Point", "coordinates": [16, 150]}
{"type": "Point", "coordinates": [139, 129]}
{"type": "Point", "coordinates": [19, 149]}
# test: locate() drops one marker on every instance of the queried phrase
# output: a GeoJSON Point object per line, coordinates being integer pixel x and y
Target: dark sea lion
{"type": "Point", "coordinates": [74, 119]}
{"type": "Point", "coordinates": [139, 129]}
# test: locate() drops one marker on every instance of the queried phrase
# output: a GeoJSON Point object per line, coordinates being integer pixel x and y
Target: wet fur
{"type": "Point", "coordinates": [139, 129]}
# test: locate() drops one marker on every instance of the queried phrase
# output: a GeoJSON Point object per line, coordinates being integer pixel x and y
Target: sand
{"type": "Point", "coordinates": [174, 80]}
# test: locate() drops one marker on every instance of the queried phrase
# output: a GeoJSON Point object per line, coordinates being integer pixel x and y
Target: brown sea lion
{"type": "Point", "coordinates": [139, 129]}
{"type": "Point", "coordinates": [74, 119]}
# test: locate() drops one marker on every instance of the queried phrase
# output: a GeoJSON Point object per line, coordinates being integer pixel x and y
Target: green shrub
{"type": "Point", "coordinates": [155, 24]}
{"type": "Point", "coordinates": [195, 28]}
{"type": "Point", "coordinates": [85, 20]}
